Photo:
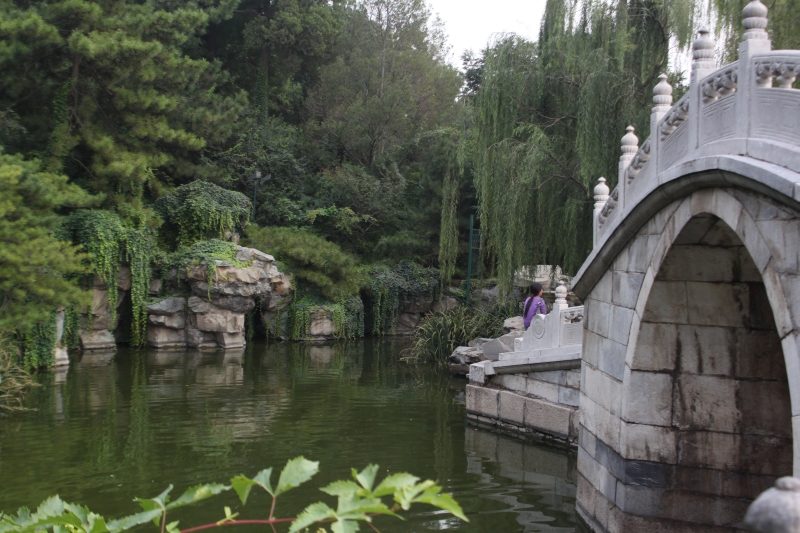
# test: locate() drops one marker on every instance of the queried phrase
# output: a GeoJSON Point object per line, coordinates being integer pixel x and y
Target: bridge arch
{"type": "Point", "coordinates": [690, 391]}
{"type": "Point", "coordinates": [662, 438]}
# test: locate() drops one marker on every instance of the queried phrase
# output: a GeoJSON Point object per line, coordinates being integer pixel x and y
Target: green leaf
{"type": "Point", "coordinates": [296, 472]}
{"type": "Point", "coordinates": [159, 502]}
{"type": "Point", "coordinates": [433, 496]}
{"type": "Point", "coordinates": [172, 527]}
{"type": "Point", "coordinates": [313, 513]}
{"type": "Point", "coordinates": [198, 493]}
{"type": "Point", "coordinates": [367, 476]}
{"type": "Point", "coordinates": [242, 484]}
{"type": "Point", "coordinates": [394, 483]}
{"type": "Point", "coordinates": [127, 522]}
{"type": "Point", "coordinates": [342, 488]}
{"type": "Point", "coordinates": [344, 526]}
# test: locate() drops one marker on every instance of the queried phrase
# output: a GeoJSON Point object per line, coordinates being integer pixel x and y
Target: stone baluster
{"type": "Point", "coordinates": [776, 510]}
{"type": "Point", "coordinates": [601, 195]}
{"type": "Point", "coordinates": [662, 102]}
{"type": "Point", "coordinates": [702, 55]}
{"type": "Point", "coordinates": [703, 64]}
{"type": "Point", "coordinates": [629, 145]}
{"type": "Point", "coordinates": [754, 41]}
{"type": "Point", "coordinates": [561, 297]}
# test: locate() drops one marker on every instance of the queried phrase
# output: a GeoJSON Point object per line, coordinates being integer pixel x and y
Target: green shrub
{"type": "Point", "coordinates": [438, 334]}
{"type": "Point", "coordinates": [201, 210]}
{"type": "Point", "coordinates": [109, 241]}
{"type": "Point", "coordinates": [391, 287]}
{"type": "Point", "coordinates": [311, 259]}
{"type": "Point", "coordinates": [15, 381]}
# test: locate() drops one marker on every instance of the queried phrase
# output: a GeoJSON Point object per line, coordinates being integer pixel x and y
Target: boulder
{"type": "Point", "coordinates": [237, 304]}
{"type": "Point", "coordinates": [230, 340]}
{"type": "Point", "coordinates": [495, 347]}
{"type": "Point", "coordinates": [155, 287]}
{"type": "Point", "coordinates": [220, 321]}
{"type": "Point", "coordinates": [97, 340]}
{"type": "Point", "coordinates": [168, 321]}
{"type": "Point", "coordinates": [124, 278]}
{"type": "Point", "coordinates": [281, 284]}
{"type": "Point", "coordinates": [478, 342]}
{"type": "Point", "coordinates": [409, 320]}
{"type": "Point", "coordinates": [244, 255]}
{"type": "Point", "coordinates": [514, 323]}
{"type": "Point", "coordinates": [199, 305]}
{"type": "Point", "coordinates": [490, 295]}
{"type": "Point", "coordinates": [445, 303]}
{"type": "Point", "coordinates": [321, 324]}
{"type": "Point", "coordinates": [420, 305]}
{"type": "Point", "coordinates": [161, 337]}
{"type": "Point", "coordinates": [167, 307]}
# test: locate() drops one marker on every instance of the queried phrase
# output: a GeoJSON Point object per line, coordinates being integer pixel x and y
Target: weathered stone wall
{"type": "Point", "coordinates": [98, 331]}
{"type": "Point", "coordinates": [214, 314]}
{"type": "Point", "coordinates": [686, 412]}
{"type": "Point", "coordinates": [539, 405]}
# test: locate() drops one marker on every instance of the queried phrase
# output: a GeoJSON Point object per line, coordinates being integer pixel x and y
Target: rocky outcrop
{"type": "Point", "coordinates": [213, 315]}
{"type": "Point", "coordinates": [97, 327]}
{"type": "Point", "coordinates": [411, 313]}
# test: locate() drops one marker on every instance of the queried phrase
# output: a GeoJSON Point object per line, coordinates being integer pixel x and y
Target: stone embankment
{"type": "Point", "coordinates": [213, 313]}
{"type": "Point", "coordinates": [527, 382]}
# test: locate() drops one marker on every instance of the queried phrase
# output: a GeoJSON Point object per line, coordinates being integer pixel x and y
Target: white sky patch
{"type": "Point", "coordinates": [470, 24]}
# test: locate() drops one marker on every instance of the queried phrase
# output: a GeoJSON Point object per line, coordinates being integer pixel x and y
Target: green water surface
{"type": "Point", "coordinates": [118, 426]}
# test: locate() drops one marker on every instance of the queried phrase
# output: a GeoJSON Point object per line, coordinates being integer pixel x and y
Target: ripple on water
{"type": "Point", "coordinates": [118, 426]}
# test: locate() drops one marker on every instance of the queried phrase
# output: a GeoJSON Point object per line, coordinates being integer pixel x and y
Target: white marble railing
{"type": "Point", "coordinates": [723, 111]}
{"type": "Point", "coordinates": [552, 342]}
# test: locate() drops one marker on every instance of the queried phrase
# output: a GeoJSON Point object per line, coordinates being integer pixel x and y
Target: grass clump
{"type": "Point", "coordinates": [438, 334]}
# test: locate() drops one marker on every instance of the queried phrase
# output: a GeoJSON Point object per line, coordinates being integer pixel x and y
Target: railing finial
{"type": "Point", "coordinates": [601, 193]}
{"type": "Point", "coordinates": [630, 143]}
{"type": "Point", "coordinates": [755, 20]}
{"type": "Point", "coordinates": [703, 51]}
{"type": "Point", "coordinates": [662, 95]}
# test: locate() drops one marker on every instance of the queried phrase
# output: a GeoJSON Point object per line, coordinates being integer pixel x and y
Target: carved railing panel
{"type": "Point", "coordinates": [676, 116]}
{"type": "Point", "coordinates": [639, 161]}
{"type": "Point", "coordinates": [720, 84]}
{"type": "Point", "coordinates": [782, 67]}
{"type": "Point", "coordinates": [608, 212]}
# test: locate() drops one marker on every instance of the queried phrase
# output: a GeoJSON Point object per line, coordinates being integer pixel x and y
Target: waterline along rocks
{"type": "Point", "coordinates": [214, 313]}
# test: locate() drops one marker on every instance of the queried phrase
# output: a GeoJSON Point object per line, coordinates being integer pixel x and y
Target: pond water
{"type": "Point", "coordinates": [118, 426]}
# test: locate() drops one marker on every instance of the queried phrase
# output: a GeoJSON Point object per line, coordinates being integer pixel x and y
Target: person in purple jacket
{"type": "Point", "coordinates": [534, 304]}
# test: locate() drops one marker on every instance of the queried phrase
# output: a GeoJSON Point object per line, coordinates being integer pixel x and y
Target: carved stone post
{"type": "Point", "coordinates": [561, 297]}
{"type": "Point", "coordinates": [601, 192]}
{"type": "Point", "coordinates": [754, 41]}
{"type": "Point", "coordinates": [662, 102]}
{"type": "Point", "coordinates": [702, 65]}
{"type": "Point", "coordinates": [776, 510]}
{"type": "Point", "coordinates": [629, 145]}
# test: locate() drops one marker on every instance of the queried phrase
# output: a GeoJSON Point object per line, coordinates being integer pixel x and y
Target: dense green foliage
{"type": "Point", "coordinates": [110, 242]}
{"type": "Point", "coordinates": [549, 116]}
{"type": "Point", "coordinates": [438, 334]}
{"type": "Point", "coordinates": [15, 381]}
{"type": "Point", "coordinates": [201, 210]}
{"type": "Point", "coordinates": [35, 265]}
{"type": "Point", "coordinates": [391, 287]}
{"type": "Point", "coordinates": [358, 500]}
{"type": "Point", "coordinates": [311, 259]}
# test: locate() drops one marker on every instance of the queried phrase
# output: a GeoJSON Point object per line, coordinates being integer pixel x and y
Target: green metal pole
{"type": "Point", "coordinates": [469, 257]}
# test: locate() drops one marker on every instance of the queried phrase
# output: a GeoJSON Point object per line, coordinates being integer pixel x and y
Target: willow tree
{"type": "Point", "coordinates": [548, 119]}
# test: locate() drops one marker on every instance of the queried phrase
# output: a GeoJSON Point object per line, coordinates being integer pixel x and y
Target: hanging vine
{"type": "Point", "coordinates": [109, 243]}
{"type": "Point", "coordinates": [201, 210]}
{"type": "Point", "coordinates": [102, 235]}
{"type": "Point", "coordinates": [393, 287]}
{"type": "Point", "coordinates": [39, 344]}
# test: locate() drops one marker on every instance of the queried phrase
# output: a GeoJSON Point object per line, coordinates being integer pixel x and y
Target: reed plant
{"type": "Point", "coordinates": [15, 381]}
{"type": "Point", "coordinates": [438, 334]}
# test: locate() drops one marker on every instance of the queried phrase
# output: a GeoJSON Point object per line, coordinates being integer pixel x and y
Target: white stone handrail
{"type": "Point", "coordinates": [744, 113]}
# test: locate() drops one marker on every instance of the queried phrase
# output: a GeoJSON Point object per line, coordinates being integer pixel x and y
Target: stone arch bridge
{"type": "Point", "coordinates": [690, 393]}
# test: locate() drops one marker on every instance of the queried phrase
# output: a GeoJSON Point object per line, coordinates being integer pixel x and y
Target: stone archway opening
{"type": "Point", "coordinates": [709, 358]}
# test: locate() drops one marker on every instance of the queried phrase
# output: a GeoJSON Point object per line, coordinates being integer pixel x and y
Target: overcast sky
{"type": "Point", "coordinates": [471, 23]}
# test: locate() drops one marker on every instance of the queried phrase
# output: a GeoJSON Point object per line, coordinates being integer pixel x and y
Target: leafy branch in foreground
{"type": "Point", "coordinates": [359, 500]}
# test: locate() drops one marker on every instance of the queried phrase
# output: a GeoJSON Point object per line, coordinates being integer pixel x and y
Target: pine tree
{"type": "Point", "coordinates": [35, 265]}
{"type": "Point", "coordinates": [111, 96]}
